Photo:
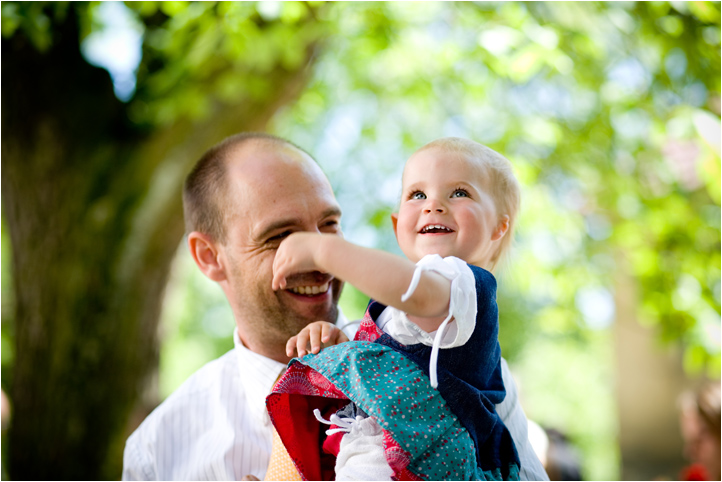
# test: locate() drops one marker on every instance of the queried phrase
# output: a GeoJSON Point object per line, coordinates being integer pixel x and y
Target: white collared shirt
{"type": "Point", "coordinates": [215, 425]}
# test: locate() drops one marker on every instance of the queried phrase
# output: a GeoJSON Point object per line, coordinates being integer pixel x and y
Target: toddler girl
{"type": "Point", "coordinates": [434, 313]}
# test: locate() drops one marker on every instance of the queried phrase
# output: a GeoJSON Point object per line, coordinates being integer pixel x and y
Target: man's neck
{"type": "Point", "coordinates": [276, 352]}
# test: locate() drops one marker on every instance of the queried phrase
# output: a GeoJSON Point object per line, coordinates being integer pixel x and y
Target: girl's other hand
{"type": "Point", "coordinates": [316, 335]}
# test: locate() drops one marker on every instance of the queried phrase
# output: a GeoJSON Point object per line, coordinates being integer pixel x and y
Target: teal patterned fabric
{"type": "Point", "coordinates": [393, 390]}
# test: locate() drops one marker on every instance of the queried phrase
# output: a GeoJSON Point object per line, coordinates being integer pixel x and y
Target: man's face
{"type": "Point", "coordinates": [274, 191]}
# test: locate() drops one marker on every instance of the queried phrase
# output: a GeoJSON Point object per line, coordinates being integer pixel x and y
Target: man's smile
{"type": "Point", "coordinates": [311, 289]}
{"type": "Point", "coordinates": [312, 286]}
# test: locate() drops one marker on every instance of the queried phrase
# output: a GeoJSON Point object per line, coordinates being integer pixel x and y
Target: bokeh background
{"type": "Point", "coordinates": [610, 113]}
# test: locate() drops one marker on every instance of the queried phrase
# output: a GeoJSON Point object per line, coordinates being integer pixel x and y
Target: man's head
{"type": "Point", "coordinates": [243, 197]}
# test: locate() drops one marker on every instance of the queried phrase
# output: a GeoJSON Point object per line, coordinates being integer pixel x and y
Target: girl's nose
{"type": "Point", "coordinates": [434, 206]}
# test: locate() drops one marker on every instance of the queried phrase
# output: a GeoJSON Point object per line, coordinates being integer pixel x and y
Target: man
{"type": "Point", "coordinates": [243, 197]}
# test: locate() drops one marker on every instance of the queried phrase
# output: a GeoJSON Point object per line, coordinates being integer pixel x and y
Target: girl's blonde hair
{"type": "Point", "coordinates": [503, 184]}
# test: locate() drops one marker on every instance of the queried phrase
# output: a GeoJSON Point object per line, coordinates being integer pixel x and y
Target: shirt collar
{"type": "Point", "coordinates": [260, 373]}
{"type": "Point", "coordinates": [348, 327]}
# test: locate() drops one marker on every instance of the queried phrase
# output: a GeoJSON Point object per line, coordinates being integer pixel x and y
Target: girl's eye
{"type": "Point", "coordinates": [417, 195]}
{"type": "Point", "coordinates": [460, 193]}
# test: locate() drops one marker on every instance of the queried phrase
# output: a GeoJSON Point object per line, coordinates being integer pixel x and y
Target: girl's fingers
{"type": "Point", "coordinates": [341, 337]}
{"type": "Point", "coordinates": [302, 342]}
{"type": "Point", "coordinates": [326, 331]}
{"type": "Point", "coordinates": [291, 345]}
{"type": "Point", "coordinates": [315, 336]}
{"type": "Point", "coordinates": [279, 279]}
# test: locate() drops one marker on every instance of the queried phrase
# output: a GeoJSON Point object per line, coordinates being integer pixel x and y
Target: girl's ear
{"type": "Point", "coordinates": [394, 221]}
{"type": "Point", "coordinates": [501, 228]}
{"type": "Point", "coordinates": [206, 253]}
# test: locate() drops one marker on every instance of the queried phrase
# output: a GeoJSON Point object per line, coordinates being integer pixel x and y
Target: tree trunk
{"type": "Point", "coordinates": [93, 209]}
{"type": "Point", "coordinates": [650, 378]}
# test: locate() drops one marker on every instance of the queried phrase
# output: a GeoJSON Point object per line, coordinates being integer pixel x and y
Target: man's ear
{"type": "Point", "coordinates": [501, 228]}
{"type": "Point", "coordinates": [394, 221]}
{"type": "Point", "coordinates": [206, 255]}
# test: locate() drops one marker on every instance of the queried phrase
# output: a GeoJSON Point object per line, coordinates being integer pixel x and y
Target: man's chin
{"type": "Point", "coordinates": [309, 309]}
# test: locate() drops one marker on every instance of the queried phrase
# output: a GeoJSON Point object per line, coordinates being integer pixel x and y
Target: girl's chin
{"type": "Point", "coordinates": [443, 252]}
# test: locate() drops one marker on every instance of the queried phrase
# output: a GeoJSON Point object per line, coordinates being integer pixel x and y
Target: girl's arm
{"type": "Point", "coordinates": [382, 276]}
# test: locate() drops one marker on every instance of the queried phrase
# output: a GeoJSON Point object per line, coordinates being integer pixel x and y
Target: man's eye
{"type": "Point", "coordinates": [331, 225]}
{"type": "Point", "coordinates": [417, 195]}
{"type": "Point", "coordinates": [460, 193]}
{"type": "Point", "coordinates": [278, 238]}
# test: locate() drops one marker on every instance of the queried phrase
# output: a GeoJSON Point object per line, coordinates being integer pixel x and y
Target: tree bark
{"type": "Point", "coordinates": [93, 209]}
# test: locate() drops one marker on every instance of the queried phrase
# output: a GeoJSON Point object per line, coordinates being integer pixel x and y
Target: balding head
{"type": "Point", "coordinates": [205, 197]}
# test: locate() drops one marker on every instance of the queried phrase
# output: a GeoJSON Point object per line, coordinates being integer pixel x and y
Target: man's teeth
{"type": "Point", "coordinates": [435, 227]}
{"type": "Point", "coordinates": [310, 290]}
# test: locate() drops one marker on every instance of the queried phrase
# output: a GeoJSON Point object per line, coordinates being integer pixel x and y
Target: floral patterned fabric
{"type": "Point", "coordinates": [452, 433]}
{"type": "Point", "coordinates": [423, 439]}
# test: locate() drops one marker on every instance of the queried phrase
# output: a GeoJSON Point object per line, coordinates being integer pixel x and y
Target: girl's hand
{"type": "Point", "coordinates": [295, 255]}
{"type": "Point", "coordinates": [317, 334]}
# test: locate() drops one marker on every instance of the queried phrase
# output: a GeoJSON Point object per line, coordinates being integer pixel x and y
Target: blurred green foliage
{"type": "Point", "coordinates": [606, 111]}
{"type": "Point", "coordinates": [610, 113]}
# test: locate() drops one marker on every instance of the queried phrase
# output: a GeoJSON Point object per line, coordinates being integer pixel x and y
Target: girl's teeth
{"type": "Point", "coordinates": [435, 226]}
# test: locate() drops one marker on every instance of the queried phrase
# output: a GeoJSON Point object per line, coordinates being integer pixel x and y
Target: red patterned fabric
{"type": "Point", "coordinates": [300, 379]}
{"type": "Point", "coordinates": [296, 394]}
{"type": "Point", "coordinates": [398, 459]}
{"type": "Point", "coordinates": [368, 331]}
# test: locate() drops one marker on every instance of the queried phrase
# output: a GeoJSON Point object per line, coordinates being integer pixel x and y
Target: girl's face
{"type": "Point", "coordinates": [447, 209]}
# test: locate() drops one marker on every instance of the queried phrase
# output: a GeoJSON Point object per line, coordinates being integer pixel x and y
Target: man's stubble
{"type": "Point", "coordinates": [266, 317]}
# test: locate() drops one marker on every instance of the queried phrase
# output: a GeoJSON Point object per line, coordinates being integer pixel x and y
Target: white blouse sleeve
{"type": "Point", "coordinates": [462, 305]}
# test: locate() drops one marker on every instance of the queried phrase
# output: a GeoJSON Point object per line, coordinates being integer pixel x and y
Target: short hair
{"type": "Point", "coordinates": [504, 186]}
{"type": "Point", "coordinates": [204, 192]}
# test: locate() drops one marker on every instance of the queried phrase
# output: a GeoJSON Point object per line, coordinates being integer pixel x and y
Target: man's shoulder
{"type": "Point", "coordinates": [166, 446]}
{"type": "Point", "coordinates": [196, 393]}
{"type": "Point", "coordinates": [221, 371]}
